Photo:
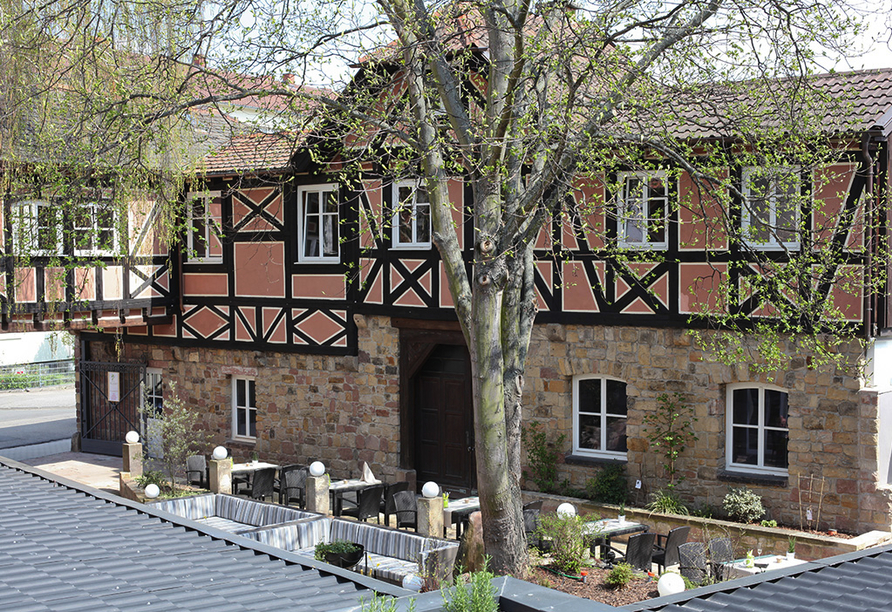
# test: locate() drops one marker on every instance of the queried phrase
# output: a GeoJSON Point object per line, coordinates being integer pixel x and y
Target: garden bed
{"type": "Point", "coordinates": [594, 588]}
{"type": "Point", "coordinates": [771, 540]}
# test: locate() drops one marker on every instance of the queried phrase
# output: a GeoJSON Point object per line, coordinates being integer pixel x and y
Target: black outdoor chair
{"type": "Point", "coordinates": [719, 551]}
{"type": "Point", "coordinates": [666, 549]}
{"type": "Point", "coordinates": [531, 525]}
{"type": "Point", "coordinates": [197, 470]}
{"type": "Point", "coordinates": [692, 562]}
{"type": "Point", "coordinates": [639, 551]}
{"type": "Point", "coordinates": [262, 483]}
{"type": "Point", "coordinates": [387, 507]}
{"type": "Point", "coordinates": [293, 485]}
{"type": "Point", "coordinates": [405, 509]}
{"type": "Point", "coordinates": [369, 504]}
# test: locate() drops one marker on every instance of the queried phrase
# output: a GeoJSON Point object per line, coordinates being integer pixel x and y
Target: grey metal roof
{"type": "Point", "coordinates": [65, 546]}
{"type": "Point", "coordinates": [852, 582]}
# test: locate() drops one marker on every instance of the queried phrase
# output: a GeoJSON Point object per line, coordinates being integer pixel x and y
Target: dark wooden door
{"type": "Point", "coordinates": [444, 420]}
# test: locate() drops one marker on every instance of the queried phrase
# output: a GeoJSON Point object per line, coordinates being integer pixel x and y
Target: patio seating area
{"type": "Point", "coordinates": [391, 554]}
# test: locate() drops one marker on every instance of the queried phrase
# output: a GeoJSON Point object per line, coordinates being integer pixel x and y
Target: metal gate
{"type": "Point", "coordinates": [111, 396]}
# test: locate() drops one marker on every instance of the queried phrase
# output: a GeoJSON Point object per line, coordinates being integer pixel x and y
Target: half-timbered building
{"type": "Point", "coordinates": [302, 327]}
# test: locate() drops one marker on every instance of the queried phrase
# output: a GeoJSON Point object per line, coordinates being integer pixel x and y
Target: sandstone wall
{"type": "Point", "coordinates": [345, 410]}
{"type": "Point", "coordinates": [832, 422]}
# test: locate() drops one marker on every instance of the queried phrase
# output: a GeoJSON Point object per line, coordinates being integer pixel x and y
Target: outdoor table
{"type": "Point", "coordinates": [251, 467]}
{"type": "Point", "coordinates": [458, 511]}
{"type": "Point", "coordinates": [765, 563]}
{"type": "Point", "coordinates": [602, 531]}
{"type": "Point", "coordinates": [337, 488]}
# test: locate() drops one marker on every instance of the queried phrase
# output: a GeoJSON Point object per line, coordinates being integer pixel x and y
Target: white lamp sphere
{"type": "Point", "coordinates": [152, 491]}
{"type": "Point", "coordinates": [430, 489]}
{"type": "Point", "coordinates": [132, 437]}
{"type": "Point", "coordinates": [413, 582]}
{"type": "Point", "coordinates": [670, 584]}
{"type": "Point", "coordinates": [317, 468]}
{"type": "Point", "coordinates": [219, 453]}
{"type": "Point", "coordinates": [566, 509]}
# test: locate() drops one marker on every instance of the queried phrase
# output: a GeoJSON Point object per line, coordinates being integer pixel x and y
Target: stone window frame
{"type": "Point", "coordinates": [411, 205]}
{"type": "Point", "coordinates": [760, 427]}
{"type": "Point", "coordinates": [603, 414]}
{"type": "Point", "coordinates": [250, 397]}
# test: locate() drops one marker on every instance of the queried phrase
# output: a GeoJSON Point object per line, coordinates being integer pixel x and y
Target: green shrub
{"type": "Point", "coordinates": [476, 594]}
{"type": "Point", "coordinates": [609, 485]}
{"type": "Point", "coordinates": [769, 523]}
{"type": "Point", "coordinates": [743, 506]}
{"type": "Point", "coordinates": [154, 477]}
{"type": "Point", "coordinates": [667, 502]}
{"type": "Point", "coordinates": [567, 536]}
{"type": "Point", "coordinates": [542, 458]}
{"type": "Point", "coordinates": [704, 511]}
{"type": "Point", "coordinates": [619, 576]}
{"type": "Point", "coordinates": [338, 546]}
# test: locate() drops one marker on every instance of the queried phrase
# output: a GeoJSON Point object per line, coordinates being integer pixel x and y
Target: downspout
{"type": "Point", "coordinates": [869, 321]}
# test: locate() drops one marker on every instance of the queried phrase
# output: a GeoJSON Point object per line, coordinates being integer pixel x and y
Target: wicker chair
{"type": "Point", "coordinates": [666, 549]}
{"type": "Point", "coordinates": [197, 470]}
{"type": "Point", "coordinates": [293, 486]}
{"type": "Point", "coordinates": [639, 551]}
{"type": "Point", "coordinates": [387, 507]}
{"type": "Point", "coordinates": [405, 509]}
{"type": "Point", "coordinates": [719, 551]}
{"type": "Point", "coordinates": [692, 562]}
{"type": "Point", "coordinates": [262, 483]}
{"type": "Point", "coordinates": [369, 504]}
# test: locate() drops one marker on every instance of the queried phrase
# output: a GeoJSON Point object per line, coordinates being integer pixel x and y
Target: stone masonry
{"type": "Point", "coordinates": [345, 410]}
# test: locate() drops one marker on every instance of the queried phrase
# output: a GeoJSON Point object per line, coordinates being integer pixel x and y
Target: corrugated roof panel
{"type": "Point", "coordinates": [61, 549]}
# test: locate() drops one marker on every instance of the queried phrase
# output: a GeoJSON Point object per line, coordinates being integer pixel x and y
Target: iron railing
{"type": "Point", "coordinates": [40, 374]}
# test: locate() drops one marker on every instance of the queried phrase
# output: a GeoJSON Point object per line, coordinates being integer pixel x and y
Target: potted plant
{"type": "Point", "coordinates": [791, 548]}
{"type": "Point", "coordinates": [339, 553]}
{"type": "Point", "coordinates": [622, 513]}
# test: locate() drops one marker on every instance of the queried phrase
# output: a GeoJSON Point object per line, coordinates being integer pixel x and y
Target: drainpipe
{"type": "Point", "coordinates": [869, 211]}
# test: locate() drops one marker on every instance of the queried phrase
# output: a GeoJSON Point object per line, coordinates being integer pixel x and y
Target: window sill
{"type": "Point", "coordinates": [593, 461]}
{"type": "Point", "coordinates": [245, 441]}
{"type": "Point", "coordinates": [754, 478]}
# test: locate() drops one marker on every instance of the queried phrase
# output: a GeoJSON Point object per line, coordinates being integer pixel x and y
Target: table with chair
{"type": "Point", "coordinates": [458, 511]}
{"type": "Point", "coordinates": [337, 488]}
{"type": "Point", "coordinates": [258, 477]}
{"type": "Point", "coordinates": [601, 532]}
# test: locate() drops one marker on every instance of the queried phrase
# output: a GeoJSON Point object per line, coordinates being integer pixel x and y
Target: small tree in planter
{"type": "Point", "coordinates": [178, 436]}
{"type": "Point", "coordinates": [567, 536]}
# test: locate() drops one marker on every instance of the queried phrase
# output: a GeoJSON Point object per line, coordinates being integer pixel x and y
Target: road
{"type": "Point", "coordinates": [35, 416]}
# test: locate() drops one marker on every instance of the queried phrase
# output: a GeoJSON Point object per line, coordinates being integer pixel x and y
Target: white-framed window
{"type": "Point", "coordinates": [771, 207]}
{"type": "Point", "coordinates": [153, 398]}
{"type": "Point", "coordinates": [411, 216]}
{"type": "Point", "coordinates": [154, 393]}
{"type": "Point", "coordinates": [599, 416]}
{"type": "Point", "coordinates": [95, 231]}
{"type": "Point", "coordinates": [757, 431]}
{"type": "Point", "coordinates": [642, 209]}
{"type": "Point", "coordinates": [204, 215]}
{"type": "Point", "coordinates": [319, 223]}
{"type": "Point", "coordinates": [244, 409]}
{"type": "Point", "coordinates": [36, 228]}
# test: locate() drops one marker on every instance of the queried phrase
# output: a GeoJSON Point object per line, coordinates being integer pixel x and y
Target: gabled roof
{"type": "Point", "coordinates": [65, 546]}
{"type": "Point", "coordinates": [253, 152]}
